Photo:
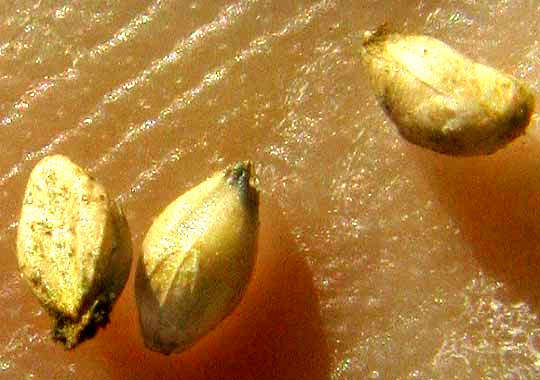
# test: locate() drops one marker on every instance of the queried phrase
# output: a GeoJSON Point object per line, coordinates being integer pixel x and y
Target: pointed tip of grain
{"type": "Point", "coordinates": [371, 36]}
{"type": "Point", "coordinates": [242, 175]}
{"type": "Point", "coordinates": [240, 172]}
{"type": "Point", "coordinates": [367, 37]}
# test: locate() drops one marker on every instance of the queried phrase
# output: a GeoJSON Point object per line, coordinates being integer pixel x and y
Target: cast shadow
{"type": "Point", "coordinates": [495, 200]}
{"type": "Point", "coordinates": [275, 333]}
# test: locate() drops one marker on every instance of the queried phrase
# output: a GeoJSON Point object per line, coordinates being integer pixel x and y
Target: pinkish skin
{"type": "Point", "coordinates": [376, 259]}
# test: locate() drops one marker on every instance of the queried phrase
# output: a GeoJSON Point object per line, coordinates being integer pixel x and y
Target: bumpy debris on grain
{"type": "Point", "coordinates": [73, 248]}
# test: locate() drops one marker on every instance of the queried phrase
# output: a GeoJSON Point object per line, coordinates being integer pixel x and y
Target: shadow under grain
{"type": "Point", "coordinates": [275, 333]}
{"type": "Point", "coordinates": [496, 203]}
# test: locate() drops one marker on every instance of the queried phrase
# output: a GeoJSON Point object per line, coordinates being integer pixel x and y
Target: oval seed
{"type": "Point", "coordinates": [197, 258]}
{"type": "Point", "coordinates": [441, 100]}
{"type": "Point", "coordinates": [73, 248]}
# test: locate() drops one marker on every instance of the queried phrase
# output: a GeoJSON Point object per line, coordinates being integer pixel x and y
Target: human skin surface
{"type": "Point", "coordinates": [376, 259]}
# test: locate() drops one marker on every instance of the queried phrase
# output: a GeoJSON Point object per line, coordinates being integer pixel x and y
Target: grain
{"type": "Point", "coordinates": [73, 248]}
{"type": "Point", "coordinates": [442, 100]}
{"type": "Point", "coordinates": [197, 258]}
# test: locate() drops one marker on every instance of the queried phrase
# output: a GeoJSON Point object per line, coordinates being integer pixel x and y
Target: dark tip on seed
{"type": "Point", "coordinates": [242, 174]}
{"type": "Point", "coordinates": [380, 33]}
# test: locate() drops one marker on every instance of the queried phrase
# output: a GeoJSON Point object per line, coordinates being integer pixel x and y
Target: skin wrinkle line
{"type": "Point", "coordinates": [298, 23]}
{"type": "Point", "coordinates": [155, 66]}
{"type": "Point", "coordinates": [143, 178]}
{"type": "Point", "coordinates": [17, 37]}
{"type": "Point", "coordinates": [130, 30]}
{"type": "Point", "coordinates": [181, 103]}
{"type": "Point", "coordinates": [181, 49]}
{"type": "Point", "coordinates": [155, 168]}
{"type": "Point", "coordinates": [208, 80]}
{"type": "Point", "coordinates": [30, 95]}
{"type": "Point", "coordinates": [61, 137]}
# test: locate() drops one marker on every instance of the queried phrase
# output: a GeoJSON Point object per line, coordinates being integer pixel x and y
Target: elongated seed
{"type": "Point", "coordinates": [197, 258]}
{"type": "Point", "coordinates": [442, 100]}
{"type": "Point", "coordinates": [73, 248]}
